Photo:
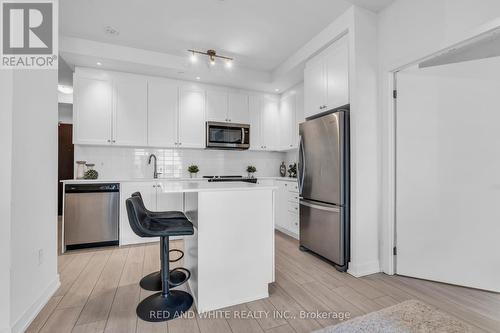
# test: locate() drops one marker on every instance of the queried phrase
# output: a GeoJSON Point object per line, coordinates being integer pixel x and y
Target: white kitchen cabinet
{"type": "Point", "coordinates": [287, 207]}
{"type": "Point", "coordinates": [326, 79]}
{"type": "Point", "coordinates": [191, 118]}
{"type": "Point", "coordinates": [229, 107]}
{"type": "Point", "coordinates": [254, 103]}
{"type": "Point", "coordinates": [93, 111]}
{"type": "Point", "coordinates": [154, 200]}
{"type": "Point", "coordinates": [238, 108]}
{"type": "Point", "coordinates": [130, 125]}
{"type": "Point", "coordinates": [162, 113]}
{"type": "Point", "coordinates": [337, 74]}
{"type": "Point", "coordinates": [288, 123]}
{"type": "Point", "coordinates": [270, 123]}
{"type": "Point", "coordinates": [315, 86]}
{"type": "Point", "coordinates": [217, 105]}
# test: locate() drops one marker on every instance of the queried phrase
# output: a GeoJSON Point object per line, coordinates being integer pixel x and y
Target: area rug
{"type": "Point", "coordinates": [409, 316]}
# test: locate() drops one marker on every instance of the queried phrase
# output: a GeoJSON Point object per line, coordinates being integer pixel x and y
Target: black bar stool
{"type": "Point", "coordinates": [167, 304]}
{"type": "Point", "coordinates": [178, 275]}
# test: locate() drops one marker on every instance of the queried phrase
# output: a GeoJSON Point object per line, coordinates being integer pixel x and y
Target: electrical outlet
{"type": "Point", "coordinates": [40, 257]}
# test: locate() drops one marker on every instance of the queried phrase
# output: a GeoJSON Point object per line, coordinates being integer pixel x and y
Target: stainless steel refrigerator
{"type": "Point", "coordinates": [323, 175]}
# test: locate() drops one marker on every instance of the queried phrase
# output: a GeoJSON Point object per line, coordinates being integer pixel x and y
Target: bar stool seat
{"type": "Point", "coordinates": [166, 304]}
{"type": "Point", "coordinates": [152, 281]}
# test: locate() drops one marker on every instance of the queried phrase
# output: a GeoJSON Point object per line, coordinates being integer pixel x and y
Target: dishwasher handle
{"type": "Point", "coordinates": [92, 188]}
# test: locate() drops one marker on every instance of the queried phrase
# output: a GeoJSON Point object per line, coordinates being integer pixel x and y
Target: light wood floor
{"type": "Point", "coordinates": [99, 293]}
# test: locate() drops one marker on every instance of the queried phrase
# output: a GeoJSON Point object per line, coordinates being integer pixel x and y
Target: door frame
{"type": "Point", "coordinates": [389, 233]}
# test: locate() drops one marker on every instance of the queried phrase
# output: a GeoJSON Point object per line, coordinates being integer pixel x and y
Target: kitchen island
{"type": "Point", "coordinates": [231, 254]}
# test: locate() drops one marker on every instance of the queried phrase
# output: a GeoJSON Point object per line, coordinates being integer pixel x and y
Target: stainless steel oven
{"type": "Point", "coordinates": [228, 136]}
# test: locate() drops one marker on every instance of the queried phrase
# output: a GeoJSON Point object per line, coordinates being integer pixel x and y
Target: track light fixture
{"type": "Point", "coordinates": [212, 57]}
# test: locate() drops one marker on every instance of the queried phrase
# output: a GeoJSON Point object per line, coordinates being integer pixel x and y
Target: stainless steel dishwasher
{"type": "Point", "coordinates": [91, 215]}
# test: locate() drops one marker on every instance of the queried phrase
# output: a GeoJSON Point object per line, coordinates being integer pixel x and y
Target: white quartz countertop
{"type": "Point", "coordinates": [119, 180]}
{"type": "Point", "coordinates": [197, 186]}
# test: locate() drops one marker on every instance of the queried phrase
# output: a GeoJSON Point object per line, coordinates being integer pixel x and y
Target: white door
{"type": "Point", "coordinates": [337, 74]}
{"type": "Point", "coordinates": [287, 122]}
{"type": "Point", "coordinates": [92, 111]}
{"type": "Point", "coordinates": [315, 86]}
{"type": "Point", "coordinates": [448, 174]}
{"type": "Point", "coordinates": [269, 123]}
{"type": "Point", "coordinates": [217, 106]}
{"type": "Point", "coordinates": [191, 118]}
{"type": "Point", "coordinates": [238, 108]}
{"type": "Point", "coordinates": [130, 111]}
{"type": "Point", "coordinates": [162, 113]}
{"type": "Point", "coordinates": [255, 103]}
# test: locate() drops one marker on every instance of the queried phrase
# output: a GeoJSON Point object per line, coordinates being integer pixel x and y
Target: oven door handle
{"type": "Point", "coordinates": [242, 135]}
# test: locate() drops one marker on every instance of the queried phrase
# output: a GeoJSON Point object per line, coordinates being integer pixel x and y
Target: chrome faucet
{"type": "Point", "coordinates": [155, 170]}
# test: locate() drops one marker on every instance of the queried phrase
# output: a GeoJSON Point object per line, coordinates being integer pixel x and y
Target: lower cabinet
{"type": "Point", "coordinates": [287, 208]}
{"type": "Point", "coordinates": [154, 200]}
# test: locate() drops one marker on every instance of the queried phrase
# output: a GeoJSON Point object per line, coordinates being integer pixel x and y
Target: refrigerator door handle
{"type": "Point", "coordinates": [302, 164]}
{"type": "Point", "coordinates": [320, 207]}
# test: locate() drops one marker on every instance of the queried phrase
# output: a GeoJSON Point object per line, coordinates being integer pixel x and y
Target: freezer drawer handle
{"type": "Point", "coordinates": [330, 209]}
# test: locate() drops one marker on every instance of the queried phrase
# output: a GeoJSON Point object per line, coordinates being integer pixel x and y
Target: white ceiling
{"type": "Point", "coordinates": [259, 34]}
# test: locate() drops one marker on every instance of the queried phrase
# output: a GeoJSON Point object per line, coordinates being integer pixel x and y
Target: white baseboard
{"type": "Point", "coordinates": [287, 232]}
{"type": "Point", "coordinates": [363, 269]}
{"type": "Point", "coordinates": [30, 314]}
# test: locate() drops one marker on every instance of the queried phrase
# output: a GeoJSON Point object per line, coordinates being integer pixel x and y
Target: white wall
{"type": "Point", "coordinates": [126, 163]}
{"type": "Point", "coordinates": [407, 31]}
{"type": "Point", "coordinates": [34, 194]}
{"type": "Point", "coordinates": [65, 111]}
{"type": "Point", "coordinates": [5, 195]}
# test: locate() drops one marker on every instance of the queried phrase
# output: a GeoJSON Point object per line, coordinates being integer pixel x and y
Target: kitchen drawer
{"type": "Point", "coordinates": [291, 186]}
{"type": "Point", "coordinates": [293, 196]}
{"type": "Point", "coordinates": [293, 207]}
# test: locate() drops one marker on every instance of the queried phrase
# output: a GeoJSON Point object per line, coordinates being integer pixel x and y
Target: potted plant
{"type": "Point", "coordinates": [193, 170]}
{"type": "Point", "coordinates": [251, 170]}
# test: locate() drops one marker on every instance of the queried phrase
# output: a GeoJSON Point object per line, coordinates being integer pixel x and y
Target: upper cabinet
{"type": "Point", "coordinates": [264, 123]}
{"type": "Point", "coordinates": [110, 110]}
{"type": "Point", "coordinates": [191, 118]}
{"type": "Point", "coordinates": [163, 109]}
{"type": "Point", "coordinates": [217, 105]}
{"type": "Point", "coordinates": [288, 124]}
{"type": "Point", "coordinates": [238, 109]}
{"type": "Point", "coordinates": [93, 111]}
{"type": "Point", "coordinates": [326, 79]}
{"type": "Point", "coordinates": [231, 107]}
{"type": "Point", "coordinates": [130, 125]}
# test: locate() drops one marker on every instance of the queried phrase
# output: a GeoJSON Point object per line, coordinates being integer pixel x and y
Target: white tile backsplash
{"type": "Point", "coordinates": [126, 162]}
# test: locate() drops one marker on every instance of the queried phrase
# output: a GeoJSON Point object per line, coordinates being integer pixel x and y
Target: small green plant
{"type": "Point", "coordinates": [193, 168]}
{"type": "Point", "coordinates": [90, 174]}
{"type": "Point", "coordinates": [251, 169]}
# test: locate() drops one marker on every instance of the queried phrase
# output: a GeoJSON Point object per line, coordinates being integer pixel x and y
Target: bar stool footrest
{"type": "Point", "coordinates": [175, 250]}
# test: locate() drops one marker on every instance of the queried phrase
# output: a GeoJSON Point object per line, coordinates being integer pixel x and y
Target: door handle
{"type": "Point", "coordinates": [242, 136]}
{"type": "Point", "coordinates": [302, 166]}
{"type": "Point", "coordinates": [320, 207]}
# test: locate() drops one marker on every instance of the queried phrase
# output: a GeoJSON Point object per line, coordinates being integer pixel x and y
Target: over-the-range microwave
{"type": "Point", "coordinates": [227, 135]}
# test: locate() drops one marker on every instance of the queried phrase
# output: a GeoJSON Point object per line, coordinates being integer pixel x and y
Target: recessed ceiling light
{"type": "Point", "coordinates": [276, 90]}
{"type": "Point", "coordinates": [111, 31]}
{"type": "Point", "coordinates": [198, 78]}
{"type": "Point", "coordinates": [99, 63]}
{"type": "Point", "coordinates": [65, 89]}
{"type": "Point", "coordinates": [229, 63]}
